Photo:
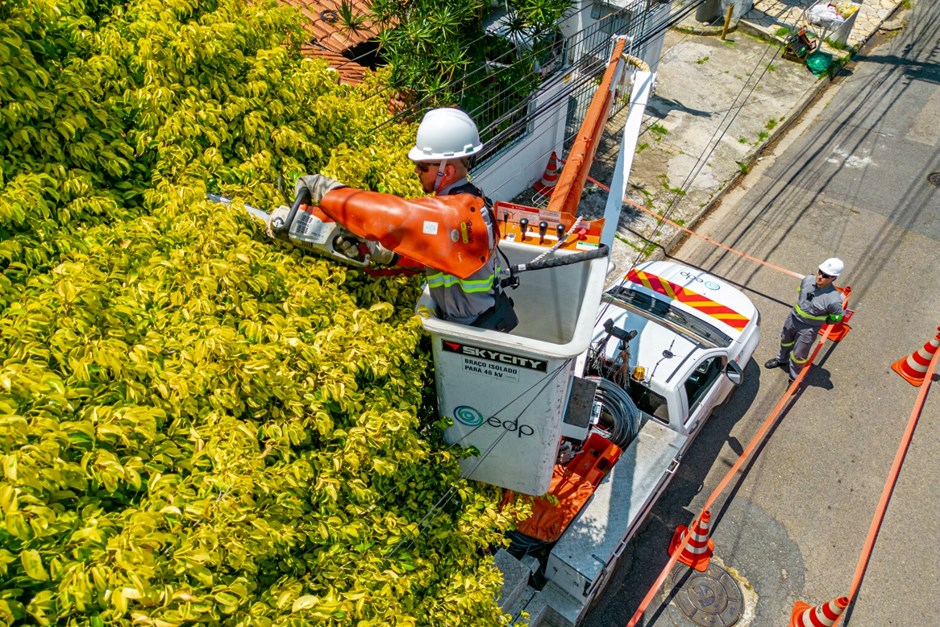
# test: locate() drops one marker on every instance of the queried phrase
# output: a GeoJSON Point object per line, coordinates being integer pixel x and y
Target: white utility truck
{"type": "Point", "coordinates": [535, 403]}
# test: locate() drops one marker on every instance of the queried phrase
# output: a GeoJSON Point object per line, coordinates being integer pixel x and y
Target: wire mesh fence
{"type": "Point", "coordinates": [571, 74]}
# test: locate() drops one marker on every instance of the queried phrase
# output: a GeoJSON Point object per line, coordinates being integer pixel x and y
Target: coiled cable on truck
{"type": "Point", "coordinates": [624, 415]}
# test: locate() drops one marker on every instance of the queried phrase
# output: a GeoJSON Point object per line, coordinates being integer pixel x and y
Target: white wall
{"type": "Point", "coordinates": [523, 164]}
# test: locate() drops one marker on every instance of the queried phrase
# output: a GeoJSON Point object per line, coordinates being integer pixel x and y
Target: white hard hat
{"type": "Point", "coordinates": [445, 134]}
{"type": "Point", "coordinates": [832, 266]}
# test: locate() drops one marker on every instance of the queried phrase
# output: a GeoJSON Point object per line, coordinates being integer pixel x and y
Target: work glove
{"type": "Point", "coordinates": [318, 185]}
{"type": "Point", "coordinates": [348, 246]}
{"type": "Point", "coordinates": [382, 256]}
{"type": "Point", "coordinates": [277, 222]}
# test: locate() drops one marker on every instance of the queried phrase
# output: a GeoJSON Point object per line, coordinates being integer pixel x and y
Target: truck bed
{"type": "Point", "coordinates": [586, 554]}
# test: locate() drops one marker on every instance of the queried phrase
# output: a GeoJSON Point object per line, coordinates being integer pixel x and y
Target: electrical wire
{"type": "Point", "coordinates": [530, 55]}
{"type": "Point", "coordinates": [718, 134]}
{"type": "Point", "coordinates": [593, 29]}
{"type": "Point", "coordinates": [613, 399]}
{"type": "Point", "coordinates": [452, 491]}
{"type": "Point", "coordinates": [667, 23]}
{"type": "Point", "coordinates": [480, 38]}
{"type": "Point", "coordinates": [549, 123]}
{"type": "Point", "coordinates": [703, 159]}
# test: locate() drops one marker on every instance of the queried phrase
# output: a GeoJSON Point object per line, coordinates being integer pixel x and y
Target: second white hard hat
{"type": "Point", "coordinates": [832, 266]}
{"type": "Point", "coordinates": [445, 134]}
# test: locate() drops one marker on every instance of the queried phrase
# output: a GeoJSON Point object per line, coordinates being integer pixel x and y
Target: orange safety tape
{"type": "Point", "coordinates": [704, 237]}
{"type": "Point", "coordinates": [890, 482]}
{"type": "Point", "coordinates": [753, 444]}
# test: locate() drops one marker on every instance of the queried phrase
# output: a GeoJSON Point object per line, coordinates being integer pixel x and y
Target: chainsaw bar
{"type": "Point", "coordinates": [254, 212]}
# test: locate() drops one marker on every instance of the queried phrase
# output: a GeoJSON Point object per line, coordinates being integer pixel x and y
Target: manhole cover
{"type": "Point", "coordinates": [711, 598]}
{"type": "Point", "coordinates": [934, 179]}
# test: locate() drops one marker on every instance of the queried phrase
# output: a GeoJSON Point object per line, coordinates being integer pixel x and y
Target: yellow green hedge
{"type": "Point", "coordinates": [198, 425]}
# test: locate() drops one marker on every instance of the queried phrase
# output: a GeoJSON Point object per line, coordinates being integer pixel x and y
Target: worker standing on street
{"type": "Point", "coordinates": [446, 139]}
{"type": "Point", "coordinates": [817, 303]}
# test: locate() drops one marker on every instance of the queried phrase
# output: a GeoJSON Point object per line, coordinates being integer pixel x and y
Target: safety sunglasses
{"type": "Point", "coordinates": [824, 275]}
{"type": "Point", "coordinates": [424, 166]}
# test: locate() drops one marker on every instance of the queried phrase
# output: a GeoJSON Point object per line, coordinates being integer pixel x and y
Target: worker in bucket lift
{"type": "Point", "coordinates": [817, 303]}
{"type": "Point", "coordinates": [446, 139]}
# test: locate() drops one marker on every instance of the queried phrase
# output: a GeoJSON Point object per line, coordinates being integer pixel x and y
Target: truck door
{"type": "Point", "coordinates": [701, 389]}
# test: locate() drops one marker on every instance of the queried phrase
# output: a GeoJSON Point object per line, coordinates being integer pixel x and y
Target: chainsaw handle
{"type": "Point", "coordinates": [277, 226]}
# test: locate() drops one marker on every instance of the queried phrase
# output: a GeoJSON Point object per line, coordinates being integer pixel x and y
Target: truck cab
{"type": "Point", "coordinates": [692, 334]}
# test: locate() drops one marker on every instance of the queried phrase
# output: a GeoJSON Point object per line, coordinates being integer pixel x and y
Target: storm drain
{"type": "Point", "coordinates": [711, 598]}
{"type": "Point", "coordinates": [934, 179]}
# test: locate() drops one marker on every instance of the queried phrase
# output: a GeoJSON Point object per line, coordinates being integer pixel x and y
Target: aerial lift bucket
{"type": "Point", "coordinates": [507, 393]}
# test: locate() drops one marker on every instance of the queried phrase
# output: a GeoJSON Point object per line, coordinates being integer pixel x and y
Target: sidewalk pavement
{"type": "Point", "coordinates": [768, 16]}
{"type": "Point", "coordinates": [715, 108]}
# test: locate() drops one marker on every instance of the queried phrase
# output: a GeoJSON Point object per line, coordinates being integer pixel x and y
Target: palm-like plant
{"type": "Point", "coordinates": [349, 18]}
{"type": "Point", "coordinates": [440, 54]}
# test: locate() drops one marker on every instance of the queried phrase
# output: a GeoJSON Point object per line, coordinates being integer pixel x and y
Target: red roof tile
{"type": "Point", "coordinates": [324, 24]}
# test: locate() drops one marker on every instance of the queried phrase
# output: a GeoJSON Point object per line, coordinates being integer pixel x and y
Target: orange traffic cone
{"type": "Point", "coordinates": [914, 368]}
{"type": "Point", "coordinates": [698, 552]}
{"type": "Point", "coordinates": [821, 616]}
{"type": "Point", "coordinates": [549, 178]}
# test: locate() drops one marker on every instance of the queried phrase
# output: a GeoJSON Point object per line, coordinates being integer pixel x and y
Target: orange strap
{"type": "Point", "coordinates": [752, 445]}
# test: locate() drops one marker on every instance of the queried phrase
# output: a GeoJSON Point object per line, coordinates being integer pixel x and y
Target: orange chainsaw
{"type": "Point", "coordinates": [382, 233]}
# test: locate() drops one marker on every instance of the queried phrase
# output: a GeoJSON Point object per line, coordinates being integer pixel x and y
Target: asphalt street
{"type": "Point", "coordinates": [851, 180]}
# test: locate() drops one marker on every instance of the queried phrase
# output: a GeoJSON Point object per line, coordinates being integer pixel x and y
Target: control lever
{"type": "Point", "coordinates": [560, 229]}
{"type": "Point", "coordinates": [543, 228]}
{"type": "Point", "coordinates": [523, 227]}
{"type": "Point", "coordinates": [620, 334]}
{"type": "Point", "coordinates": [505, 221]}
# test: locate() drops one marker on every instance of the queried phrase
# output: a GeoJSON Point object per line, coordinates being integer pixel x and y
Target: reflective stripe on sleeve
{"type": "Point", "coordinates": [803, 314]}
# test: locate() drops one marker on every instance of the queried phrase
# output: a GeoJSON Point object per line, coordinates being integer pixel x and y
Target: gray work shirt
{"type": "Point", "coordinates": [814, 304]}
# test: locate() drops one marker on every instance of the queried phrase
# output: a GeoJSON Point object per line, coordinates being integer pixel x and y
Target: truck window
{"type": "Point", "coordinates": [701, 380]}
{"type": "Point", "coordinates": [695, 329]}
{"type": "Point", "coordinates": [649, 401]}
